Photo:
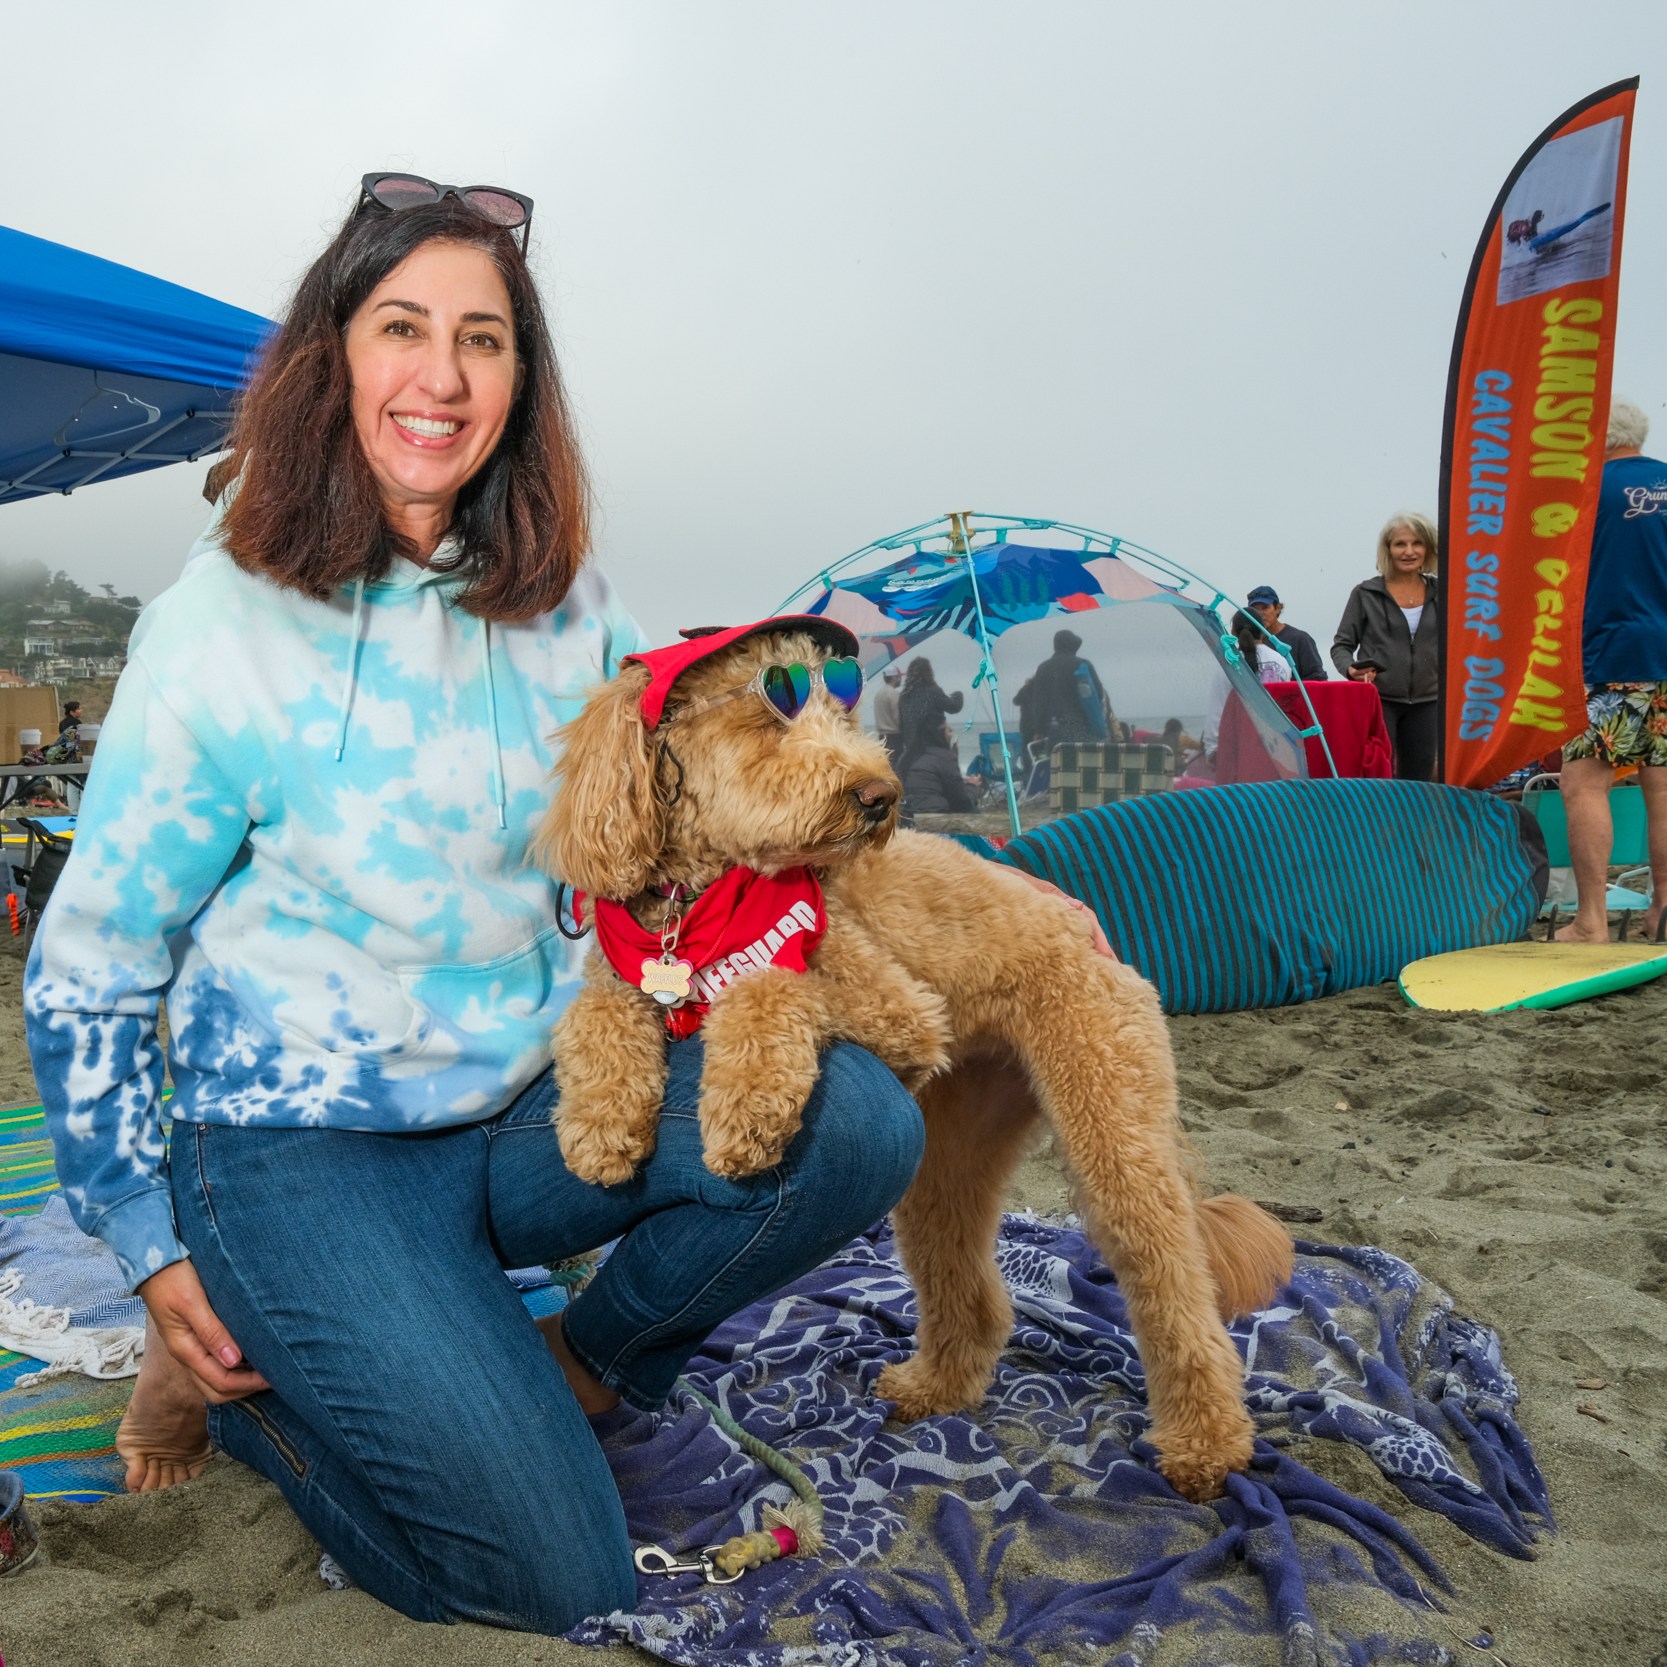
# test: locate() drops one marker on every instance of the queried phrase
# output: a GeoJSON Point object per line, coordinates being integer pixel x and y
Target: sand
{"type": "Point", "coordinates": [1519, 1160]}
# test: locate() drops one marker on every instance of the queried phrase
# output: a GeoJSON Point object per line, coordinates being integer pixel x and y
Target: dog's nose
{"type": "Point", "coordinates": [876, 796]}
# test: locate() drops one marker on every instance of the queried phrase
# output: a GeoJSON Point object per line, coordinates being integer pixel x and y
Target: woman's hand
{"type": "Point", "coordinates": [178, 1306]}
{"type": "Point", "coordinates": [1101, 942]}
{"type": "Point", "coordinates": [1364, 674]}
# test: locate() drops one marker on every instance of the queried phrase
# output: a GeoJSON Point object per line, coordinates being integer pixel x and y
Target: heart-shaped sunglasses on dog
{"type": "Point", "coordinates": [786, 689]}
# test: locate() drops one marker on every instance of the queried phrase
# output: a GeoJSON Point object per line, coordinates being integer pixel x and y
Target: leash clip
{"type": "Point", "coordinates": [654, 1559]}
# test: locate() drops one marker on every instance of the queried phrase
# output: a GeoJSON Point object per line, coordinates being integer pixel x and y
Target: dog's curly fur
{"type": "Point", "coordinates": [988, 999]}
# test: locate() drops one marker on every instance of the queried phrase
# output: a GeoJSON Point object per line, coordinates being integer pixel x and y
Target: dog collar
{"type": "Point", "coordinates": [742, 922]}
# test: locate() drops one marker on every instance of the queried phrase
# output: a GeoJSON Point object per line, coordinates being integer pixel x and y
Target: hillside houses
{"type": "Point", "coordinates": [53, 631]}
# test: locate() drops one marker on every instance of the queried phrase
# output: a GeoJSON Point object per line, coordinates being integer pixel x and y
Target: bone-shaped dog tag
{"type": "Point", "coordinates": [668, 980]}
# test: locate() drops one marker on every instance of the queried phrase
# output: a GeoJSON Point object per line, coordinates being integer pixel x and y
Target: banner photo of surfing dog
{"type": "Point", "coordinates": [1522, 444]}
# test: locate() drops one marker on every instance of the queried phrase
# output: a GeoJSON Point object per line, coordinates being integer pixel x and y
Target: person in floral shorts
{"type": "Point", "coordinates": [1625, 654]}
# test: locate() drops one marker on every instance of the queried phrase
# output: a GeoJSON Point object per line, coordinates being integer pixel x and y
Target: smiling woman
{"type": "Point", "coordinates": [431, 354]}
{"type": "Point", "coordinates": [416, 363]}
{"type": "Point", "coordinates": [320, 859]}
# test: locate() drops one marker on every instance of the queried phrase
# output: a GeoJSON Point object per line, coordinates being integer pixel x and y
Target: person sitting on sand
{"type": "Point", "coordinates": [1624, 642]}
{"type": "Point", "coordinates": [934, 783]}
{"type": "Point", "coordinates": [321, 865]}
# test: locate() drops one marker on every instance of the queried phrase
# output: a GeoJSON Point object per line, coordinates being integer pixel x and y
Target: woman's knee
{"type": "Point", "coordinates": [552, 1597]}
{"type": "Point", "coordinates": [866, 1133]}
{"type": "Point", "coordinates": [539, 1553]}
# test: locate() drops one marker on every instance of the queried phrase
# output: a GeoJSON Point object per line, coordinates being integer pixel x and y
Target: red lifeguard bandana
{"type": "Point", "coordinates": [740, 923]}
{"type": "Point", "coordinates": [701, 642]}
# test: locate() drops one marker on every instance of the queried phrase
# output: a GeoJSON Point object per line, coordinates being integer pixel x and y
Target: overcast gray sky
{"type": "Point", "coordinates": [1186, 273]}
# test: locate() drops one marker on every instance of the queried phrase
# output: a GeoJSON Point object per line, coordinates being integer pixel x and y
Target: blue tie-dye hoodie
{"type": "Point", "coordinates": [306, 829]}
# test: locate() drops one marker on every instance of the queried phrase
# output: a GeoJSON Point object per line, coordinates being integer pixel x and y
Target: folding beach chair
{"type": "Point", "coordinates": [44, 856]}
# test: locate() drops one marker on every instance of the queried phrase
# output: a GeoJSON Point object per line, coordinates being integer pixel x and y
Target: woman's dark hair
{"type": "Point", "coordinates": [307, 511]}
{"type": "Point", "coordinates": [1249, 636]}
{"type": "Point", "coordinates": [920, 671]}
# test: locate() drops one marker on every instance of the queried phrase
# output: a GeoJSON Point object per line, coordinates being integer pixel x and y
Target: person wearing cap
{"type": "Point", "coordinates": [323, 866]}
{"type": "Point", "coordinates": [888, 715]}
{"type": "Point", "coordinates": [1264, 603]}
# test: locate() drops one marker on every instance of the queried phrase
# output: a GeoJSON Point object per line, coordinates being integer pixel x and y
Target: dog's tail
{"type": "Point", "coordinates": [1250, 1253]}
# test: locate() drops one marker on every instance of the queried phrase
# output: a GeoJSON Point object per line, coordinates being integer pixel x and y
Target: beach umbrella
{"type": "Point", "coordinates": [982, 575]}
{"type": "Point", "coordinates": [105, 371]}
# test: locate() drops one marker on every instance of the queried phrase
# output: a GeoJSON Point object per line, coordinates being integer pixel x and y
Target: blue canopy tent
{"type": "Point", "coordinates": [105, 371]}
{"type": "Point", "coordinates": [991, 578]}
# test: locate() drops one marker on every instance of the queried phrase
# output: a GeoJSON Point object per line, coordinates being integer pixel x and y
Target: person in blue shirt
{"type": "Point", "coordinates": [1624, 641]}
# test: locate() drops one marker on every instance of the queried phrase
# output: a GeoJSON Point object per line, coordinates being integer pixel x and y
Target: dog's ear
{"type": "Point", "coordinates": [605, 826]}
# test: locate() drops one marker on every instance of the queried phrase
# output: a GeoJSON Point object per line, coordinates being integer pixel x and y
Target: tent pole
{"type": "Point", "coordinates": [961, 540]}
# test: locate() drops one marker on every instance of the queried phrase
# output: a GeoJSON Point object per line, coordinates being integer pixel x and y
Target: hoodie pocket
{"type": "Point", "coordinates": [485, 1010]}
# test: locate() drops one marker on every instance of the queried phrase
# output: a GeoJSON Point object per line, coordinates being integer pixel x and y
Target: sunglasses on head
{"type": "Point", "coordinates": [495, 203]}
{"type": "Point", "coordinates": [786, 689]}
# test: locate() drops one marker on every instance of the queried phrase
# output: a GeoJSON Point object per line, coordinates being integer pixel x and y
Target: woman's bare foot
{"type": "Point", "coordinates": [164, 1434]}
{"type": "Point", "coordinates": [592, 1394]}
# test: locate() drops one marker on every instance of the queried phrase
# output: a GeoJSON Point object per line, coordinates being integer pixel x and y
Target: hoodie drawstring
{"type": "Point", "coordinates": [499, 797]}
{"type": "Point", "coordinates": [352, 667]}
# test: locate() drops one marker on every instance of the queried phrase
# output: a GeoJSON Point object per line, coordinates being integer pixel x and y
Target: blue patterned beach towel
{"type": "Point", "coordinates": [1036, 1531]}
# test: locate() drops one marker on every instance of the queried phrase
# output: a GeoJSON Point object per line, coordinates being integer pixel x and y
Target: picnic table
{"type": "Point", "coordinates": [14, 776]}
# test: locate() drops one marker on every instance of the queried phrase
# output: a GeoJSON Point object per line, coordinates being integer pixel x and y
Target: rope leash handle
{"type": "Point", "coordinates": [788, 1532]}
{"type": "Point", "coordinates": [752, 1551]}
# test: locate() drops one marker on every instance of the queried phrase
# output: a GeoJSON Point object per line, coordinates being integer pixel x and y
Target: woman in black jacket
{"type": "Point", "coordinates": [1390, 635]}
{"type": "Point", "coordinates": [922, 710]}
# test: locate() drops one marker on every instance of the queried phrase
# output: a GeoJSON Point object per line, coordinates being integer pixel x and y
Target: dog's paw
{"type": "Point", "coordinates": [745, 1123]}
{"type": "Point", "coordinates": [738, 1141]}
{"type": "Point", "coordinates": [600, 1152]}
{"type": "Point", "coordinates": [913, 1039]}
{"type": "Point", "coordinates": [1197, 1463]}
{"type": "Point", "coordinates": [921, 1393]}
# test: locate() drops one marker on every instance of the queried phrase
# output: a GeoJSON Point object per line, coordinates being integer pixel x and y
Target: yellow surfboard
{"type": "Point", "coordinates": [1508, 975]}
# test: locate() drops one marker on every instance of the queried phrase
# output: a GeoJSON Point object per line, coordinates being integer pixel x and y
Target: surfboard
{"type": "Point", "coordinates": [1508, 975]}
{"type": "Point", "coordinates": [1538, 243]}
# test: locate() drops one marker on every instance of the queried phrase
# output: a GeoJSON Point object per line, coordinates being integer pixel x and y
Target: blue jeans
{"type": "Point", "coordinates": [416, 1423]}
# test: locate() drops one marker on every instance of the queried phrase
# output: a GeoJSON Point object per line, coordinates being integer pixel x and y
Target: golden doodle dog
{"type": "Point", "coordinates": [736, 755]}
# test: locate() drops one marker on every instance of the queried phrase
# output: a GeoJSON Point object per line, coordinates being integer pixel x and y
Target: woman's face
{"type": "Point", "coordinates": [432, 357]}
{"type": "Point", "coordinates": [1407, 551]}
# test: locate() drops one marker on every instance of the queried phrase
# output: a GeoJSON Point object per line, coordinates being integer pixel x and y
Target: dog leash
{"type": "Point", "coordinates": [790, 1530]}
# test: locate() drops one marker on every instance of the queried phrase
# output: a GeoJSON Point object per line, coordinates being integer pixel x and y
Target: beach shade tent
{"type": "Point", "coordinates": [982, 597]}
{"type": "Point", "coordinates": [105, 371]}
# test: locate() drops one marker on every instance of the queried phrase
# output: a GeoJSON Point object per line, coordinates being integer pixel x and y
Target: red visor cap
{"type": "Point", "coordinates": [701, 642]}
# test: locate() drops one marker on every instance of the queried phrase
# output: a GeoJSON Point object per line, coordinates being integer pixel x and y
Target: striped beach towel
{"type": "Point", "coordinates": [60, 1436]}
{"type": "Point", "coordinates": [1270, 893]}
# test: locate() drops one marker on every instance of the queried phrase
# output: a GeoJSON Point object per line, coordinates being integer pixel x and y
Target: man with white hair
{"type": "Point", "coordinates": [1625, 652]}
